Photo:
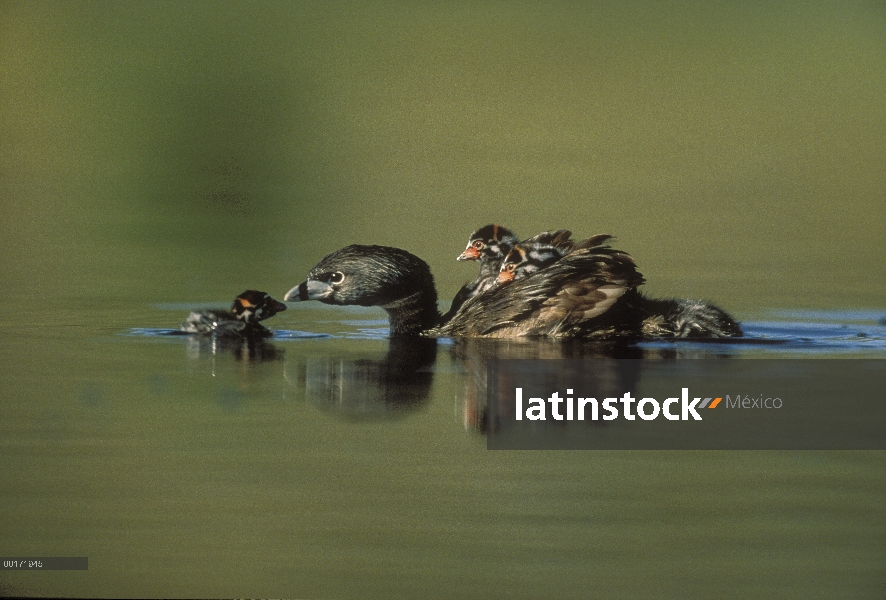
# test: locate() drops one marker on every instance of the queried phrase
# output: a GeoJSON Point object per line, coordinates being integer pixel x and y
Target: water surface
{"type": "Point", "coordinates": [350, 465]}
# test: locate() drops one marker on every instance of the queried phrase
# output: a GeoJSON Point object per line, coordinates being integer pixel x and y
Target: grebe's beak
{"type": "Point", "coordinates": [308, 290]}
{"type": "Point", "coordinates": [470, 253]}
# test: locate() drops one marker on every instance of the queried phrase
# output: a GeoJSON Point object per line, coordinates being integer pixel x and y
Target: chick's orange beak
{"type": "Point", "coordinates": [470, 253]}
{"type": "Point", "coordinates": [505, 276]}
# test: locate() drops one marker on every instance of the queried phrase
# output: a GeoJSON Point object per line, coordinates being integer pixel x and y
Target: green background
{"type": "Point", "coordinates": [737, 150]}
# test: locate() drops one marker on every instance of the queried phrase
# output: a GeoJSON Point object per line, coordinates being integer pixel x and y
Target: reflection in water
{"type": "Point", "coordinates": [475, 354]}
{"type": "Point", "coordinates": [368, 387]}
{"type": "Point", "coordinates": [247, 350]}
{"type": "Point", "coordinates": [607, 377]}
{"type": "Point", "coordinates": [357, 383]}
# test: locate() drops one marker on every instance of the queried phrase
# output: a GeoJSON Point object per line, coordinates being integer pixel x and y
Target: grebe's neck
{"type": "Point", "coordinates": [414, 313]}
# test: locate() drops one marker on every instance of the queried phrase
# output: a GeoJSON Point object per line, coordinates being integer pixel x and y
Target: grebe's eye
{"type": "Point", "coordinates": [479, 245]}
{"type": "Point", "coordinates": [510, 267]}
{"type": "Point", "coordinates": [337, 277]}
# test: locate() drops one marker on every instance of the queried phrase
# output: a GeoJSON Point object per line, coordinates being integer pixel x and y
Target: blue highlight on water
{"type": "Point", "coordinates": [804, 331]}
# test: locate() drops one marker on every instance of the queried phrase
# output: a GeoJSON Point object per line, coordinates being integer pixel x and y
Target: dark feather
{"type": "Point", "coordinates": [555, 301]}
{"type": "Point", "coordinates": [594, 241]}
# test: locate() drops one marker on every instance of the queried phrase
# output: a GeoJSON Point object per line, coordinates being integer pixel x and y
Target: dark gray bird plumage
{"type": "Point", "coordinates": [248, 309]}
{"type": "Point", "coordinates": [591, 293]}
{"type": "Point", "coordinates": [392, 278]}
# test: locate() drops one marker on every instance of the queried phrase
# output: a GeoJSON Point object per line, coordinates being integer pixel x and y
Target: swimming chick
{"type": "Point", "coordinates": [242, 320]}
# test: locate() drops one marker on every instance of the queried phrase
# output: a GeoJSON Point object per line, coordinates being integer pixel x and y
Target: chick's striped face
{"type": "Point", "coordinates": [525, 260]}
{"type": "Point", "coordinates": [490, 242]}
{"type": "Point", "coordinates": [252, 306]}
{"type": "Point", "coordinates": [513, 261]}
{"type": "Point", "coordinates": [474, 251]}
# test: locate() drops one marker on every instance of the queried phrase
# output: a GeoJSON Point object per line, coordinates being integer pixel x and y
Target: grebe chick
{"type": "Point", "coordinates": [541, 251]}
{"type": "Point", "coordinates": [242, 320]}
{"type": "Point", "coordinates": [489, 245]}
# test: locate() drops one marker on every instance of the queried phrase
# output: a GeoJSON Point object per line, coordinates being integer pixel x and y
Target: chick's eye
{"type": "Point", "coordinates": [510, 267]}
{"type": "Point", "coordinates": [479, 245]}
{"type": "Point", "coordinates": [337, 277]}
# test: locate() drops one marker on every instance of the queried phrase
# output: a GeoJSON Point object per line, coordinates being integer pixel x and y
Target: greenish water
{"type": "Point", "coordinates": [159, 157]}
{"type": "Point", "coordinates": [183, 470]}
